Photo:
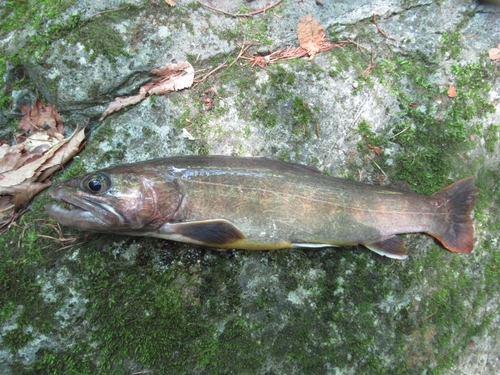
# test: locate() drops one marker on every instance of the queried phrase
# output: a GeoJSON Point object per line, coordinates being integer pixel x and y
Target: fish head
{"type": "Point", "coordinates": [115, 200]}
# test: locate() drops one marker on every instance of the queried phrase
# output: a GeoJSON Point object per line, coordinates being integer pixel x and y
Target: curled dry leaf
{"type": "Point", "coordinates": [172, 77]}
{"type": "Point", "coordinates": [494, 53]}
{"type": "Point", "coordinates": [25, 166]}
{"type": "Point", "coordinates": [42, 116]}
{"type": "Point", "coordinates": [377, 149]}
{"type": "Point", "coordinates": [311, 35]}
{"type": "Point", "coordinates": [452, 92]}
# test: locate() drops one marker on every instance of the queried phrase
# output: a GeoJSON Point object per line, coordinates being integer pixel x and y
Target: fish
{"type": "Point", "coordinates": [253, 203]}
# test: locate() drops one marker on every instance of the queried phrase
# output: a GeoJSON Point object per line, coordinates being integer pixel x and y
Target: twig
{"type": "Point", "coordinates": [401, 132]}
{"type": "Point", "coordinates": [372, 65]}
{"type": "Point", "coordinates": [7, 208]}
{"type": "Point", "coordinates": [243, 50]}
{"type": "Point", "coordinates": [212, 89]}
{"type": "Point", "coordinates": [378, 166]}
{"type": "Point", "coordinates": [21, 236]}
{"type": "Point", "coordinates": [380, 30]}
{"type": "Point", "coordinates": [430, 315]}
{"type": "Point", "coordinates": [107, 11]}
{"type": "Point", "coordinates": [251, 14]}
{"type": "Point", "coordinates": [224, 64]}
{"type": "Point", "coordinates": [290, 53]}
{"type": "Point", "coordinates": [68, 246]}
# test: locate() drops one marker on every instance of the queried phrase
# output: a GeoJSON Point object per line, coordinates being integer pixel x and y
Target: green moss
{"type": "Point", "coordinates": [96, 34]}
{"type": "Point", "coordinates": [254, 29]}
{"type": "Point", "coordinates": [492, 137]}
{"type": "Point", "coordinates": [100, 38]}
{"type": "Point", "coordinates": [452, 43]}
{"type": "Point", "coordinates": [368, 137]}
{"type": "Point", "coordinates": [302, 118]}
{"type": "Point", "coordinates": [430, 133]}
{"type": "Point", "coordinates": [350, 57]}
{"type": "Point", "coordinates": [20, 14]}
{"type": "Point", "coordinates": [23, 254]}
{"type": "Point", "coordinates": [280, 78]}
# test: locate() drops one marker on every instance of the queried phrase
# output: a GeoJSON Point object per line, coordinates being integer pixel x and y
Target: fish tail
{"type": "Point", "coordinates": [457, 233]}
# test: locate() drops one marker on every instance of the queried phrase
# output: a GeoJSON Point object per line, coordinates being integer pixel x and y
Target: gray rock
{"type": "Point", "coordinates": [130, 305]}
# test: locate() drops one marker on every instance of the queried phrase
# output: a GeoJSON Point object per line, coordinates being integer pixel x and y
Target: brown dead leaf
{"type": "Point", "coordinates": [124, 101]}
{"type": "Point", "coordinates": [69, 149]}
{"type": "Point", "coordinates": [42, 116]}
{"type": "Point", "coordinates": [25, 167]}
{"type": "Point", "coordinates": [172, 3]}
{"type": "Point", "coordinates": [494, 53]}
{"type": "Point", "coordinates": [172, 77]}
{"type": "Point", "coordinates": [175, 77]}
{"type": "Point", "coordinates": [377, 149]}
{"type": "Point", "coordinates": [311, 35]}
{"type": "Point", "coordinates": [452, 92]}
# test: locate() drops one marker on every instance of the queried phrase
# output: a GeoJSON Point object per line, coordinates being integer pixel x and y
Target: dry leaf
{"type": "Point", "coordinates": [173, 77]}
{"type": "Point", "coordinates": [311, 35]}
{"type": "Point", "coordinates": [70, 148]}
{"type": "Point", "coordinates": [172, 3]}
{"type": "Point", "coordinates": [452, 93]}
{"type": "Point", "coordinates": [42, 117]}
{"type": "Point", "coordinates": [124, 101]}
{"type": "Point", "coordinates": [494, 53]}
{"type": "Point", "coordinates": [26, 165]}
{"type": "Point", "coordinates": [377, 149]}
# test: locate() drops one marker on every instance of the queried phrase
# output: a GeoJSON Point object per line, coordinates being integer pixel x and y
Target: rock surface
{"type": "Point", "coordinates": [110, 304]}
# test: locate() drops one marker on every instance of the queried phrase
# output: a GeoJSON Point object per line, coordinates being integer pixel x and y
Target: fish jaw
{"type": "Point", "coordinates": [83, 212]}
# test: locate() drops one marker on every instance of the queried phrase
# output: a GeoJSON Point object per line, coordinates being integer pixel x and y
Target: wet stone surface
{"type": "Point", "coordinates": [112, 304]}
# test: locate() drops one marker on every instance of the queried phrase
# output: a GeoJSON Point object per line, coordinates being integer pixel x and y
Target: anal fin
{"type": "Point", "coordinates": [391, 247]}
{"type": "Point", "coordinates": [217, 232]}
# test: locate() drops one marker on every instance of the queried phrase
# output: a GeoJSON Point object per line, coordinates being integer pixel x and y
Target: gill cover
{"type": "Point", "coordinates": [115, 201]}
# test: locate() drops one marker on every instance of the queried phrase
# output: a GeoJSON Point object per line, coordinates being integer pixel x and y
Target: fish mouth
{"type": "Point", "coordinates": [81, 212]}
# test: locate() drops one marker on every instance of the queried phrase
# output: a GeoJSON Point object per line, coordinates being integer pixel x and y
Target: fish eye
{"type": "Point", "coordinates": [97, 184]}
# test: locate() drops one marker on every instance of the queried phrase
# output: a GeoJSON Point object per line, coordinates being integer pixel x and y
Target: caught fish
{"type": "Point", "coordinates": [259, 204]}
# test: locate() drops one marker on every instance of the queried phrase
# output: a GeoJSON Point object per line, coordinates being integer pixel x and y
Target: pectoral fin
{"type": "Point", "coordinates": [392, 247]}
{"type": "Point", "coordinates": [208, 232]}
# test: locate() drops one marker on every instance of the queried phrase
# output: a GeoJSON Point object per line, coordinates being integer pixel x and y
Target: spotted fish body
{"type": "Point", "coordinates": [260, 204]}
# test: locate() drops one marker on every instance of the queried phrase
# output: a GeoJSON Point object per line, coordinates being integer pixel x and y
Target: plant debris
{"type": "Point", "coordinates": [452, 92]}
{"type": "Point", "coordinates": [380, 30]}
{"type": "Point", "coordinates": [376, 149]}
{"type": "Point", "coordinates": [494, 54]}
{"type": "Point", "coordinates": [250, 14]}
{"type": "Point", "coordinates": [40, 151]}
{"type": "Point", "coordinates": [172, 77]}
{"type": "Point", "coordinates": [311, 35]}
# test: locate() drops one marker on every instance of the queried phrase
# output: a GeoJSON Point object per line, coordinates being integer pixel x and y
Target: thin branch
{"type": "Point", "coordinates": [107, 11]}
{"type": "Point", "coordinates": [401, 132]}
{"type": "Point", "coordinates": [378, 166]}
{"type": "Point", "coordinates": [251, 14]}
{"type": "Point", "coordinates": [380, 30]}
{"type": "Point", "coordinates": [372, 65]}
{"type": "Point", "coordinates": [430, 315]}
{"type": "Point", "coordinates": [243, 50]}
{"type": "Point", "coordinates": [224, 64]}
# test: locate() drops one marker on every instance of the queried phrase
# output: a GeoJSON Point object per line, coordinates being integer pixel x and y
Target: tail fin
{"type": "Point", "coordinates": [461, 198]}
